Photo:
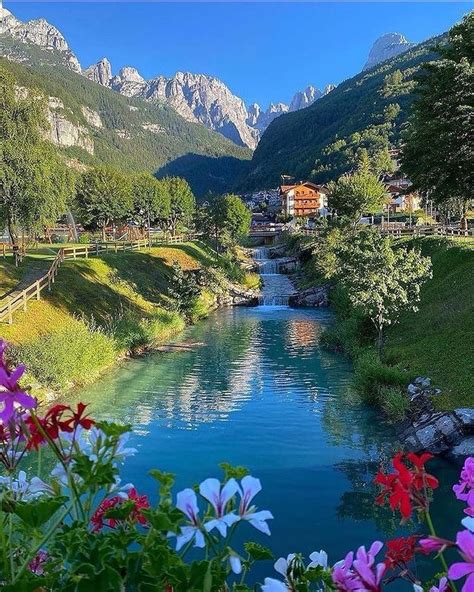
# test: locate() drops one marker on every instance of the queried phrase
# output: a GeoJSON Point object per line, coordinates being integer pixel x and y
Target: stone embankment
{"type": "Point", "coordinates": [438, 432]}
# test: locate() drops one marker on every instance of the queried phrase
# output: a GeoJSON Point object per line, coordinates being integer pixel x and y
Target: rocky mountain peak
{"type": "Point", "coordinates": [129, 74]}
{"type": "Point", "coordinates": [100, 72]}
{"type": "Point", "coordinates": [385, 47]}
{"type": "Point", "coordinates": [305, 98]}
{"type": "Point", "coordinates": [39, 32]}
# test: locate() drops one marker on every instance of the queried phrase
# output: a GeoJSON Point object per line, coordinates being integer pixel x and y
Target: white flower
{"type": "Point", "coordinates": [468, 522]}
{"type": "Point", "coordinates": [187, 502]}
{"type": "Point", "coordinates": [25, 490]}
{"type": "Point", "coordinates": [272, 585]}
{"type": "Point", "coordinates": [235, 563]}
{"type": "Point", "coordinates": [282, 564]}
{"type": "Point", "coordinates": [319, 559]}
{"type": "Point", "coordinates": [250, 486]}
{"type": "Point", "coordinates": [210, 489]}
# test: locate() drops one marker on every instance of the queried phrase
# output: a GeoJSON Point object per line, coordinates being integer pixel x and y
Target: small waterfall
{"type": "Point", "coordinates": [277, 287]}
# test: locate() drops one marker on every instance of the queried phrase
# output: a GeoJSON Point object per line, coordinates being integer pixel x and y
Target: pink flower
{"type": "Point", "coordinates": [36, 565]}
{"type": "Point", "coordinates": [466, 482]}
{"type": "Point", "coordinates": [11, 395]}
{"type": "Point", "coordinates": [360, 574]}
{"type": "Point", "coordinates": [465, 543]}
{"type": "Point", "coordinates": [432, 544]}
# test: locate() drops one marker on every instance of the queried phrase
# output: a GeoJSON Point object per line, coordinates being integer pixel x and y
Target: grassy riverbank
{"type": "Point", "coordinates": [102, 308]}
{"type": "Point", "coordinates": [436, 341]}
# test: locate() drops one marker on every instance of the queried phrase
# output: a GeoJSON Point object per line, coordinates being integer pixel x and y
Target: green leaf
{"type": "Point", "coordinates": [258, 552]}
{"type": "Point", "coordinates": [163, 521]}
{"type": "Point", "coordinates": [113, 430]}
{"type": "Point", "coordinates": [231, 471]}
{"type": "Point", "coordinates": [35, 513]}
{"type": "Point", "coordinates": [166, 481]}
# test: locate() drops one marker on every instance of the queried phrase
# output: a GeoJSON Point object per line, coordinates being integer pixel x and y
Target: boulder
{"type": "Point", "coordinates": [316, 296]}
{"type": "Point", "coordinates": [423, 382]}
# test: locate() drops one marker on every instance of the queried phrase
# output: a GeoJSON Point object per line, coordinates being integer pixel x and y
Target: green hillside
{"type": "Point", "coordinates": [319, 142]}
{"type": "Point", "coordinates": [123, 141]}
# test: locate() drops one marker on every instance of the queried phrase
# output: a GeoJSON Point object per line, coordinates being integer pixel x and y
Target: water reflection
{"type": "Point", "coordinates": [259, 392]}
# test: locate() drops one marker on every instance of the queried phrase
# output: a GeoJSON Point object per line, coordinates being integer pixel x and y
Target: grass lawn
{"type": "Point", "coordinates": [98, 306]}
{"type": "Point", "coordinates": [438, 340]}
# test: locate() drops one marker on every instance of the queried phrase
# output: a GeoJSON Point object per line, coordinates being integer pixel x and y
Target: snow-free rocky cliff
{"type": "Point", "coordinates": [196, 97]}
{"type": "Point", "coordinates": [386, 47]}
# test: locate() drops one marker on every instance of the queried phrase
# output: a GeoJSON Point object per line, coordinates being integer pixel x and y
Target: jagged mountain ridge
{"type": "Point", "coordinates": [198, 98]}
{"type": "Point", "coordinates": [203, 99]}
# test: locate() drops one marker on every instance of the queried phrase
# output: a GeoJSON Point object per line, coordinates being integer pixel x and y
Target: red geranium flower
{"type": "Point", "coordinates": [407, 488]}
{"type": "Point", "coordinates": [140, 502]}
{"type": "Point", "coordinates": [59, 418]}
{"type": "Point", "coordinates": [400, 551]}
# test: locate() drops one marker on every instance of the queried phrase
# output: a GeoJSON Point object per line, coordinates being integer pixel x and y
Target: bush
{"type": "Point", "coordinates": [371, 376]}
{"type": "Point", "coordinates": [132, 333]}
{"type": "Point", "coordinates": [394, 402]}
{"type": "Point", "coordinates": [84, 238]}
{"type": "Point", "coordinates": [72, 354]}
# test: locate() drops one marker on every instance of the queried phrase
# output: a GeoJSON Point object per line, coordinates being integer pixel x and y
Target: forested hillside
{"type": "Point", "coordinates": [321, 142]}
{"type": "Point", "coordinates": [130, 133]}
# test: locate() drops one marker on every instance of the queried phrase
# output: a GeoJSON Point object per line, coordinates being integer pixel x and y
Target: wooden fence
{"type": "Point", "coordinates": [19, 300]}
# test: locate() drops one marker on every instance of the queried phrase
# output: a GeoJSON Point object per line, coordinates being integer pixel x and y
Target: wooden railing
{"type": "Point", "coordinates": [19, 300]}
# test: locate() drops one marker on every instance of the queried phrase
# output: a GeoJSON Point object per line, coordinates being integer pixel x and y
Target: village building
{"type": "Point", "coordinates": [401, 200]}
{"type": "Point", "coordinates": [303, 199]}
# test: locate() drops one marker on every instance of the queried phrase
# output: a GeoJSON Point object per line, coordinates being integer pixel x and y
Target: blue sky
{"type": "Point", "coordinates": [263, 51]}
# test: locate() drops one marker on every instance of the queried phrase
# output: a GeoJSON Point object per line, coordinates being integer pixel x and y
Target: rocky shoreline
{"type": "Point", "coordinates": [438, 432]}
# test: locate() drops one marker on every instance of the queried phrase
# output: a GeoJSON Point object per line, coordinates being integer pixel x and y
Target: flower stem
{"type": "Point", "coordinates": [431, 527]}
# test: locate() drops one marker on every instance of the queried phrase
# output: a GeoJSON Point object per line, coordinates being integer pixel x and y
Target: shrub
{"type": "Point", "coordinates": [72, 354]}
{"type": "Point", "coordinates": [132, 333]}
{"type": "Point", "coordinates": [394, 402]}
{"type": "Point", "coordinates": [371, 375]}
{"type": "Point", "coordinates": [84, 238]}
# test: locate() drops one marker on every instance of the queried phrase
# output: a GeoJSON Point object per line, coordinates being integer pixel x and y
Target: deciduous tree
{"type": "Point", "coordinates": [182, 202]}
{"type": "Point", "coordinates": [353, 195]}
{"type": "Point", "coordinates": [103, 196]}
{"type": "Point", "coordinates": [381, 280]}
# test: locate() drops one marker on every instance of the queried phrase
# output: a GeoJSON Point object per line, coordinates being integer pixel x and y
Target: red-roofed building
{"type": "Point", "coordinates": [303, 199]}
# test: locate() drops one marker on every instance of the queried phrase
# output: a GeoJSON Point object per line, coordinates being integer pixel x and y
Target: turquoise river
{"type": "Point", "coordinates": [254, 388]}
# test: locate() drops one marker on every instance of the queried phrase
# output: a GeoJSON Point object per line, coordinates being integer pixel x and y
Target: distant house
{"type": "Point", "coordinates": [303, 199]}
{"type": "Point", "coordinates": [401, 200]}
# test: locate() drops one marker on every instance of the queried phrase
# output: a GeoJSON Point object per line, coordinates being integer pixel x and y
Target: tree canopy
{"type": "Point", "coordinates": [151, 199]}
{"type": "Point", "coordinates": [103, 196]}
{"type": "Point", "coordinates": [230, 218]}
{"type": "Point", "coordinates": [439, 149]}
{"type": "Point", "coordinates": [356, 194]}
{"type": "Point", "coordinates": [182, 202]}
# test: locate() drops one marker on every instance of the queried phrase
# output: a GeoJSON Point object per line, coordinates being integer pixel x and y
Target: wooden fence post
{"type": "Point", "coordinates": [10, 316]}
{"type": "Point", "coordinates": [24, 300]}
{"type": "Point", "coordinates": [87, 252]}
{"type": "Point", "coordinates": [4, 251]}
{"type": "Point", "coordinates": [38, 292]}
{"type": "Point", "coordinates": [96, 248]}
